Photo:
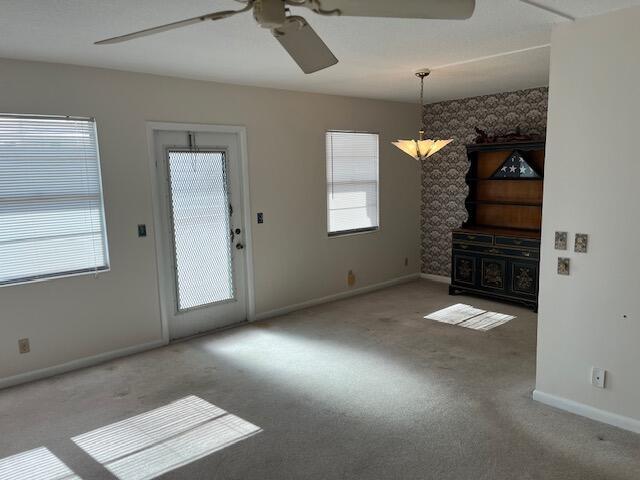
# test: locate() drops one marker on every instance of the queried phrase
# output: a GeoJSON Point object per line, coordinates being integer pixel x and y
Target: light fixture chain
{"type": "Point", "coordinates": [422, 122]}
{"type": "Point", "coordinates": [422, 148]}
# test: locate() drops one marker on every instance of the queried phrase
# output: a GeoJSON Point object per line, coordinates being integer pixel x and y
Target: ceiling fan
{"type": "Point", "coordinates": [296, 35]}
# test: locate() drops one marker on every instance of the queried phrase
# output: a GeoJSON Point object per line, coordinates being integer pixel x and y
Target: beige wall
{"type": "Point", "coordinates": [592, 317]}
{"type": "Point", "coordinates": [294, 261]}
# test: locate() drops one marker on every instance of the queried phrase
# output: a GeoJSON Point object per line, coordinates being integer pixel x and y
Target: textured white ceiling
{"type": "Point", "coordinates": [502, 47]}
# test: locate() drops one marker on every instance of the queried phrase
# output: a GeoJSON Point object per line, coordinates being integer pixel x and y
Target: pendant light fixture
{"type": "Point", "coordinates": [421, 149]}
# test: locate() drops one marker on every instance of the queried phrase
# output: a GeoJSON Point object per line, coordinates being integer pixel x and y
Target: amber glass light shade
{"type": "Point", "coordinates": [421, 149]}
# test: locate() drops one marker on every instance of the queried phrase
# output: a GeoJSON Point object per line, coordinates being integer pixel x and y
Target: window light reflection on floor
{"type": "Point", "coordinates": [161, 440]}
{"type": "Point", "coordinates": [36, 464]}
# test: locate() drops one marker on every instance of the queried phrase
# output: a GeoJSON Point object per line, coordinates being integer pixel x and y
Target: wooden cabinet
{"type": "Point", "coordinates": [500, 266]}
{"type": "Point", "coordinates": [496, 252]}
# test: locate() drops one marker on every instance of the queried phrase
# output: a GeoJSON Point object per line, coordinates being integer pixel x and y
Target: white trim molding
{"type": "Point", "coordinates": [620, 421]}
{"type": "Point", "coordinates": [336, 296]}
{"type": "Point", "coordinates": [489, 57]}
{"type": "Point", "coordinates": [77, 364]}
{"type": "Point", "coordinates": [436, 278]}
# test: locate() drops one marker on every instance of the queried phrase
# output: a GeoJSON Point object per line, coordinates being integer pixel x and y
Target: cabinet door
{"type": "Point", "coordinates": [523, 278]}
{"type": "Point", "coordinates": [464, 269]}
{"type": "Point", "coordinates": [493, 274]}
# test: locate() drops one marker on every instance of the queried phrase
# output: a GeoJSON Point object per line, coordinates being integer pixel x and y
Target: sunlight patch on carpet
{"type": "Point", "coordinates": [36, 464]}
{"type": "Point", "coordinates": [469, 317]}
{"type": "Point", "coordinates": [163, 439]}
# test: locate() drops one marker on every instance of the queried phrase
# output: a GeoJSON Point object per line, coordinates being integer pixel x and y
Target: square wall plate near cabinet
{"type": "Point", "coordinates": [561, 241]}
{"type": "Point", "coordinates": [564, 266]}
{"type": "Point", "coordinates": [581, 243]}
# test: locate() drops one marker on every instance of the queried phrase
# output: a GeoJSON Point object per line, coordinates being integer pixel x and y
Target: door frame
{"type": "Point", "coordinates": [243, 168]}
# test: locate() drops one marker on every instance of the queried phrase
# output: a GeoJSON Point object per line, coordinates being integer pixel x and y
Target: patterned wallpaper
{"type": "Point", "coordinates": [443, 187]}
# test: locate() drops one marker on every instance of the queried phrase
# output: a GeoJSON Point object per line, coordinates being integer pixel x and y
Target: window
{"type": "Point", "coordinates": [51, 212]}
{"type": "Point", "coordinates": [352, 182]}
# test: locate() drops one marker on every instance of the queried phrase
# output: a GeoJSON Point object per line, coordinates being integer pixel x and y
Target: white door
{"type": "Point", "coordinates": [203, 265]}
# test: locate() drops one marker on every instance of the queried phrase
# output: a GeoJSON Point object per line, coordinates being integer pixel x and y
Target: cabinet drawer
{"type": "Point", "coordinates": [511, 252]}
{"type": "Point", "coordinates": [472, 237]}
{"type": "Point", "coordinates": [469, 247]}
{"type": "Point", "coordinates": [517, 242]}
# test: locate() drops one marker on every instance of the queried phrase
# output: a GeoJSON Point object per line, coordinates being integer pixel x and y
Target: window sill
{"type": "Point", "coordinates": [349, 233]}
{"type": "Point", "coordinates": [31, 281]}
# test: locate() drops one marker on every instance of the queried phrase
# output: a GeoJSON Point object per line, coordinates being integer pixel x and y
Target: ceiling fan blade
{"type": "Point", "coordinates": [434, 9]}
{"type": "Point", "coordinates": [304, 45]}
{"type": "Point", "coordinates": [171, 26]}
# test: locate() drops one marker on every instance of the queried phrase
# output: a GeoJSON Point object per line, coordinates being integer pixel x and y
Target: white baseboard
{"type": "Point", "coordinates": [627, 423]}
{"type": "Point", "coordinates": [337, 296]}
{"type": "Point", "coordinates": [77, 364]}
{"type": "Point", "coordinates": [436, 278]}
{"type": "Point", "coordinates": [106, 356]}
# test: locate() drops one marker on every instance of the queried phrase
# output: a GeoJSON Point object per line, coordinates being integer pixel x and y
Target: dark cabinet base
{"type": "Point", "coordinates": [496, 266]}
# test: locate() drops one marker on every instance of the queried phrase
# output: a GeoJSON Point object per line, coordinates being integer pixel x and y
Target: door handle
{"type": "Point", "coordinates": [239, 246]}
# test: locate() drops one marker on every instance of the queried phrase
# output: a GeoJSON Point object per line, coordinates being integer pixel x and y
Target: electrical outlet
{"type": "Point", "coordinates": [406, 261]}
{"type": "Point", "coordinates": [351, 278]}
{"type": "Point", "coordinates": [598, 376]}
{"type": "Point", "coordinates": [23, 345]}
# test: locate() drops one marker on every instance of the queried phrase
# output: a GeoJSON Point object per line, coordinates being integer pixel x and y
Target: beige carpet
{"type": "Point", "coordinates": [363, 388]}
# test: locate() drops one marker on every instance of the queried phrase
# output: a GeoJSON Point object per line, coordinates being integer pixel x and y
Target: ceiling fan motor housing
{"type": "Point", "coordinates": [269, 13]}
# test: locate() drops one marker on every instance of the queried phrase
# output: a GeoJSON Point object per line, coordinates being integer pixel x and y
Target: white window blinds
{"type": "Point", "coordinates": [51, 212]}
{"type": "Point", "coordinates": [352, 182]}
